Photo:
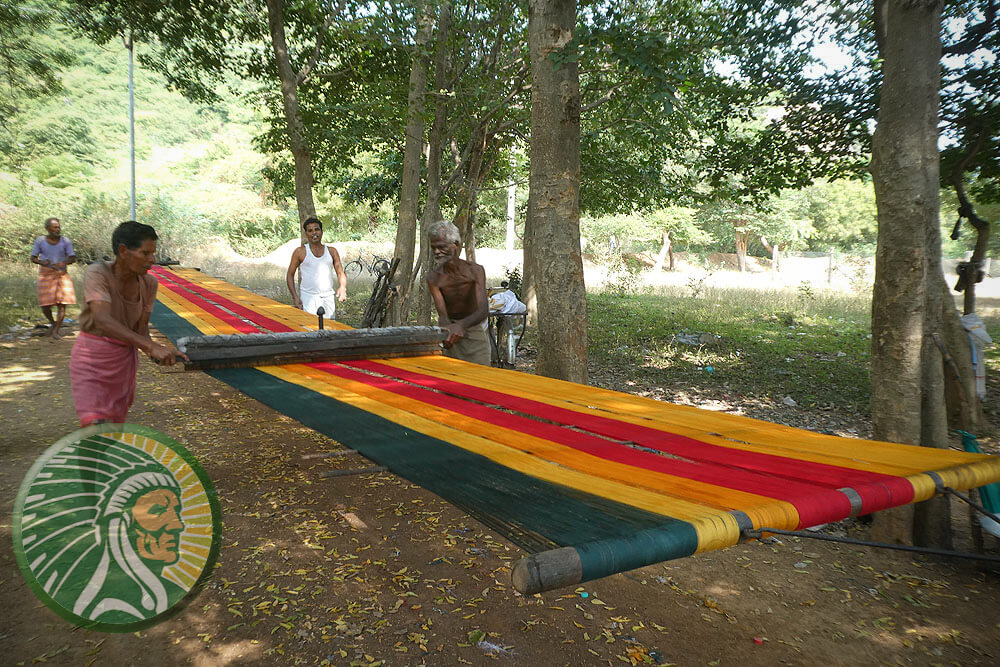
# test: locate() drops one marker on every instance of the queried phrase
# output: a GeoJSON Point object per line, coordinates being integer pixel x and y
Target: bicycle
{"type": "Point", "coordinates": [375, 266]}
{"type": "Point", "coordinates": [383, 292]}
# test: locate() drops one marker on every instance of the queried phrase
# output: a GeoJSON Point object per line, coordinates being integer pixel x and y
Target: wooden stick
{"type": "Point", "coordinates": [326, 455]}
{"type": "Point", "coordinates": [352, 471]}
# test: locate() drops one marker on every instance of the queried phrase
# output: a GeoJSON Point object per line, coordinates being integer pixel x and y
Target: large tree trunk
{"type": "Point", "coordinates": [552, 228]}
{"type": "Point", "coordinates": [301, 155]}
{"type": "Point", "coordinates": [409, 191]}
{"type": "Point", "coordinates": [910, 302]}
{"type": "Point", "coordinates": [435, 144]}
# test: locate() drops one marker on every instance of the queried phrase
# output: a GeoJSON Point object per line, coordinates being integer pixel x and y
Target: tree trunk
{"type": "Point", "coordinates": [975, 262]}
{"type": "Point", "coordinates": [742, 240]}
{"type": "Point", "coordinates": [910, 299]}
{"type": "Point", "coordinates": [662, 255]}
{"type": "Point", "coordinates": [511, 230]}
{"type": "Point", "coordinates": [552, 228]}
{"type": "Point", "coordinates": [409, 191]}
{"type": "Point", "coordinates": [468, 195]}
{"type": "Point", "coordinates": [301, 155]}
{"type": "Point", "coordinates": [775, 252]}
{"type": "Point", "coordinates": [435, 145]}
{"type": "Point", "coordinates": [973, 271]}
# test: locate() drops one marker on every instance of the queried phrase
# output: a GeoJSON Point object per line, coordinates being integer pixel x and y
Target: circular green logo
{"type": "Point", "coordinates": [115, 526]}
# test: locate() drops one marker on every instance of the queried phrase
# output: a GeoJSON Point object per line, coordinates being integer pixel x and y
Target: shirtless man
{"type": "Point", "coordinates": [114, 325]}
{"type": "Point", "coordinates": [318, 263]}
{"type": "Point", "coordinates": [458, 288]}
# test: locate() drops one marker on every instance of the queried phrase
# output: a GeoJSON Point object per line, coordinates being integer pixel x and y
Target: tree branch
{"type": "Point", "coordinates": [303, 74]}
{"type": "Point", "coordinates": [956, 177]}
{"type": "Point", "coordinates": [603, 99]}
{"type": "Point", "coordinates": [975, 34]}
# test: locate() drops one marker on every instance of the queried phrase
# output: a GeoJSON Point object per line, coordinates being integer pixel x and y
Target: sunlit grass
{"type": "Point", "coordinates": [813, 347]}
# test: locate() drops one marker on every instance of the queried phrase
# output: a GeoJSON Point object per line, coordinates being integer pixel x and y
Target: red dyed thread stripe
{"type": "Point", "coordinates": [878, 491]}
{"type": "Point", "coordinates": [815, 504]}
{"type": "Point", "coordinates": [237, 308]}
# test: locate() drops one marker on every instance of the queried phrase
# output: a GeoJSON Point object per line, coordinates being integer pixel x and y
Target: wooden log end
{"type": "Point", "coordinates": [547, 570]}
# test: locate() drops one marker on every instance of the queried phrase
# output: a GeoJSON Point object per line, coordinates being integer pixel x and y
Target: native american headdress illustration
{"type": "Point", "coordinates": [75, 526]}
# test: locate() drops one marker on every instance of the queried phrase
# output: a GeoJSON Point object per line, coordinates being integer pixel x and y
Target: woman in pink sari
{"type": "Point", "coordinates": [114, 325]}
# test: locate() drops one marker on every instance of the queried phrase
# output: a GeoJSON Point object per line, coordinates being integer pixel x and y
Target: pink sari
{"type": "Point", "coordinates": [102, 371]}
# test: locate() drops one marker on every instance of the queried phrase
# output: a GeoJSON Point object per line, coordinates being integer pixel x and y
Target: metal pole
{"type": "Point", "coordinates": [511, 206]}
{"type": "Point", "coordinates": [131, 124]}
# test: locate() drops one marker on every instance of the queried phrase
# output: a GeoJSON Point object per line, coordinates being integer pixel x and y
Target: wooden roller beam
{"type": "Point", "coordinates": [547, 570]}
{"type": "Point", "coordinates": [271, 349]}
{"type": "Point", "coordinates": [569, 566]}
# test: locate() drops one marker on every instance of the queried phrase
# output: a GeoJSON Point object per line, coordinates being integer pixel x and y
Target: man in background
{"type": "Point", "coordinates": [53, 253]}
{"type": "Point", "coordinates": [317, 264]}
{"type": "Point", "coordinates": [458, 288]}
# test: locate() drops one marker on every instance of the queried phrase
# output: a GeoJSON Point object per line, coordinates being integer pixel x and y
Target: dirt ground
{"type": "Point", "coordinates": [420, 582]}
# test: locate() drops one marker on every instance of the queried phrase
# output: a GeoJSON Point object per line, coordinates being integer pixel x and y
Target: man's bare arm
{"type": "Point", "coordinates": [112, 328]}
{"type": "Point", "coordinates": [338, 267]}
{"type": "Point", "coordinates": [290, 276]}
{"type": "Point", "coordinates": [144, 325]}
{"type": "Point", "coordinates": [439, 305]}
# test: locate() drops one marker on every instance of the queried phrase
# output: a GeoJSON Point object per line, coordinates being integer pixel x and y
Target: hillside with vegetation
{"type": "Point", "coordinates": [198, 172]}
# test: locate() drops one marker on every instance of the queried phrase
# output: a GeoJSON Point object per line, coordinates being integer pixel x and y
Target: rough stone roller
{"type": "Point", "coordinates": [299, 347]}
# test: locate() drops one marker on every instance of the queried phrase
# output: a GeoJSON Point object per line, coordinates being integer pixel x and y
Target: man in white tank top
{"type": "Point", "coordinates": [317, 263]}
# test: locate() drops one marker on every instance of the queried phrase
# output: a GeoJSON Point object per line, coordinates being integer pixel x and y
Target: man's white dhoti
{"type": "Point", "coordinates": [311, 301]}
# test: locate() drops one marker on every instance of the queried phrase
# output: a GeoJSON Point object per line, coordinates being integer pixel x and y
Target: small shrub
{"type": "Point", "coordinates": [696, 284]}
{"type": "Point", "coordinates": [806, 295]}
{"type": "Point", "coordinates": [512, 277]}
{"type": "Point", "coordinates": [858, 275]}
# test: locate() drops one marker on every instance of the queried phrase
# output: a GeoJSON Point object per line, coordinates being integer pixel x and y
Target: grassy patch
{"type": "Point", "coordinates": [813, 347]}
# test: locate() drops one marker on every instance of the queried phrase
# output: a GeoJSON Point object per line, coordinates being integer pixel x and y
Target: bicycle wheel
{"type": "Point", "coordinates": [354, 268]}
{"type": "Point", "coordinates": [380, 267]}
